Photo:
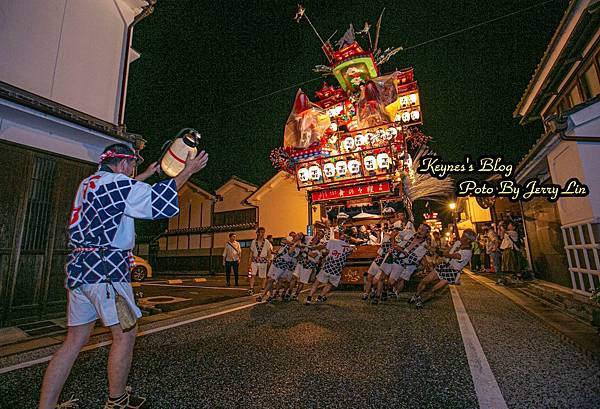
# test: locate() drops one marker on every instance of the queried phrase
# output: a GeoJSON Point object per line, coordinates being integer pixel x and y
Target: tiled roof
{"type": "Point", "coordinates": [57, 110]}
{"type": "Point", "coordinates": [570, 52]}
{"type": "Point", "coordinates": [544, 137]}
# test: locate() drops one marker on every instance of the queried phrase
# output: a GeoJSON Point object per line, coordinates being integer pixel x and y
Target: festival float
{"type": "Point", "coordinates": [357, 142]}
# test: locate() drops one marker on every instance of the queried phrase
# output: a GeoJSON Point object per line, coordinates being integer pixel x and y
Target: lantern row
{"type": "Point", "coordinates": [342, 168]}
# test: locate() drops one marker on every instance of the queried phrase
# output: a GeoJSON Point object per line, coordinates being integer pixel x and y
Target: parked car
{"type": "Point", "coordinates": [140, 269]}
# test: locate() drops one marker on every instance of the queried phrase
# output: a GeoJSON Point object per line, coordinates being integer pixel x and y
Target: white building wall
{"type": "Point", "coordinates": [580, 216]}
{"type": "Point", "coordinates": [590, 159]}
{"type": "Point", "coordinates": [564, 163]}
{"type": "Point", "coordinates": [68, 51]}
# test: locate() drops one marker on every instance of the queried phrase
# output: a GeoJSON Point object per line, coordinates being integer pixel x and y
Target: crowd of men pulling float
{"type": "Point", "coordinates": [320, 259]}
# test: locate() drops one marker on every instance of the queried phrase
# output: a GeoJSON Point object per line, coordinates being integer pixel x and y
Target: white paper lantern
{"type": "Point", "coordinates": [349, 143]}
{"type": "Point", "coordinates": [413, 98]}
{"type": "Point", "coordinates": [372, 138]}
{"type": "Point", "coordinates": [354, 167]}
{"type": "Point", "coordinates": [403, 101]}
{"type": "Point", "coordinates": [380, 134]}
{"type": "Point", "coordinates": [405, 116]}
{"type": "Point", "coordinates": [329, 170]}
{"type": "Point", "coordinates": [370, 163]}
{"type": "Point", "coordinates": [415, 115]}
{"type": "Point", "coordinates": [391, 133]}
{"type": "Point", "coordinates": [383, 160]}
{"type": "Point", "coordinates": [333, 126]}
{"type": "Point", "coordinates": [341, 168]}
{"type": "Point", "coordinates": [315, 172]}
{"type": "Point", "coordinates": [303, 175]}
{"type": "Point", "coordinates": [360, 140]}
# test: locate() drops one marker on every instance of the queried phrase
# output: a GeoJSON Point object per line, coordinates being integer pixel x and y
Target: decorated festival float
{"type": "Point", "coordinates": [357, 143]}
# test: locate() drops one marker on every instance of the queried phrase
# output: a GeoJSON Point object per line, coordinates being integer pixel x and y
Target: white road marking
{"type": "Point", "coordinates": [197, 286]}
{"type": "Point", "coordinates": [140, 334]}
{"type": "Point", "coordinates": [487, 390]}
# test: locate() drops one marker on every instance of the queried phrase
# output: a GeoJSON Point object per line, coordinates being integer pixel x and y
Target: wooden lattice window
{"type": "Point", "coordinates": [38, 219]}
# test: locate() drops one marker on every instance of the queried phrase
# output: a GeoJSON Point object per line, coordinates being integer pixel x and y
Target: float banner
{"type": "Point", "coordinates": [351, 191]}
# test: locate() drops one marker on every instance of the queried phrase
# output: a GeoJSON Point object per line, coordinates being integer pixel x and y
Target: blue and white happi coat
{"type": "Point", "coordinates": [283, 259]}
{"type": "Point", "coordinates": [101, 230]}
{"type": "Point", "coordinates": [339, 251]}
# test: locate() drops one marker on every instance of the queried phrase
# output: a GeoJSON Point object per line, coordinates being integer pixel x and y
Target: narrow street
{"type": "Point", "coordinates": [344, 353]}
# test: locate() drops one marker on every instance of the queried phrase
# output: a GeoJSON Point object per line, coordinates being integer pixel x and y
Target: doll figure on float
{"type": "Point", "coordinates": [306, 123]}
{"type": "Point", "coordinates": [371, 110]}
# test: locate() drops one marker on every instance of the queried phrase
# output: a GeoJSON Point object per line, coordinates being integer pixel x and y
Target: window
{"type": "Point", "coordinates": [233, 217]}
{"type": "Point", "coordinates": [245, 244]}
{"type": "Point", "coordinates": [589, 82]}
{"type": "Point", "coordinates": [38, 218]}
{"type": "Point", "coordinates": [564, 105]}
{"type": "Point", "coordinates": [277, 241]}
{"type": "Point", "coordinates": [574, 96]}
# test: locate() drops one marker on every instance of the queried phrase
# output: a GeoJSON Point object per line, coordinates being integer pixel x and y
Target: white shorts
{"type": "Point", "coordinates": [259, 270]}
{"type": "Point", "coordinates": [88, 302]}
{"type": "Point", "coordinates": [374, 269]}
{"type": "Point", "coordinates": [333, 279]}
{"type": "Point", "coordinates": [287, 275]}
{"type": "Point", "coordinates": [303, 274]}
{"type": "Point", "coordinates": [277, 273]}
{"type": "Point", "coordinates": [403, 272]}
{"type": "Point", "coordinates": [387, 268]}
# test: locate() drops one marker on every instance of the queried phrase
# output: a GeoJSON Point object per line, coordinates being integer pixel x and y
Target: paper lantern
{"type": "Point", "coordinates": [383, 160]}
{"type": "Point", "coordinates": [372, 138]}
{"type": "Point", "coordinates": [370, 163]}
{"type": "Point", "coordinates": [360, 140]}
{"type": "Point", "coordinates": [354, 167]}
{"type": "Point", "coordinates": [405, 116]}
{"type": "Point", "coordinates": [413, 99]}
{"type": "Point", "coordinates": [341, 168]}
{"type": "Point", "coordinates": [391, 133]}
{"type": "Point", "coordinates": [415, 115]}
{"type": "Point", "coordinates": [303, 175]}
{"type": "Point", "coordinates": [403, 101]}
{"type": "Point", "coordinates": [315, 172]}
{"type": "Point", "coordinates": [329, 170]}
{"type": "Point", "coordinates": [349, 143]}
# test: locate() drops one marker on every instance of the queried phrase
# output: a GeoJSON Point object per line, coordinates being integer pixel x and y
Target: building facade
{"type": "Point", "coordinates": [61, 103]}
{"type": "Point", "coordinates": [564, 93]}
{"type": "Point", "coordinates": [196, 244]}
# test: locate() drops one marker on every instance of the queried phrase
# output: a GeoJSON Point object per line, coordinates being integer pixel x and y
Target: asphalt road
{"type": "Point", "coordinates": [170, 297]}
{"type": "Point", "coordinates": [342, 354]}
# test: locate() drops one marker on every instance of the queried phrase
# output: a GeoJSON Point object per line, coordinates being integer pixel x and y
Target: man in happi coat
{"type": "Point", "coordinates": [101, 236]}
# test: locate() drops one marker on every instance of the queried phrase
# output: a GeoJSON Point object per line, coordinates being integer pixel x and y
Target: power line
{"type": "Point", "coordinates": [462, 30]}
{"type": "Point", "coordinates": [478, 25]}
{"type": "Point", "coordinates": [268, 95]}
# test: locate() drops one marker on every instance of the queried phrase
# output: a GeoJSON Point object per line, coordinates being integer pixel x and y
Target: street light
{"type": "Point", "coordinates": [452, 206]}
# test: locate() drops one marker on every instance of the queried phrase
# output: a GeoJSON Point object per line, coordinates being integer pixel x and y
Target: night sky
{"type": "Point", "coordinates": [200, 59]}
